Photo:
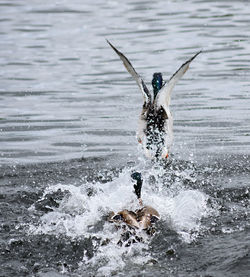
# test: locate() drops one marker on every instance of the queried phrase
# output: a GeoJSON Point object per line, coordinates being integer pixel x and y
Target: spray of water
{"type": "Point", "coordinates": [83, 214]}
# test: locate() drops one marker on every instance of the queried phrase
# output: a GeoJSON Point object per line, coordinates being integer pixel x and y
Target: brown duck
{"type": "Point", "coordinates": [142, 218]}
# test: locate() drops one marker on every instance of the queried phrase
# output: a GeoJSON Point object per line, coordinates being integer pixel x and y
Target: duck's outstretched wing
{"type": "Point", "coordinates": [164, 95]}
{"type": "Point", "coordinates": [135, 75]}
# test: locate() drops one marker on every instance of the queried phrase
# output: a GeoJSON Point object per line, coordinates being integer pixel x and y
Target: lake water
{"type": "Point", "coordinates": [68, 117]}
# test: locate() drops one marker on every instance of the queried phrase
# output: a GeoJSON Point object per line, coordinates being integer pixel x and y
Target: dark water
{"type": "Point", "coordinates": [68, 115]}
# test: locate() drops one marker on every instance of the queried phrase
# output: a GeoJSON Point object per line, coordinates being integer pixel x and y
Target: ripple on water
{"type": "Point", "coordinates": [66, 71]}
{"type": "Point", "coordinates": [65, 97]}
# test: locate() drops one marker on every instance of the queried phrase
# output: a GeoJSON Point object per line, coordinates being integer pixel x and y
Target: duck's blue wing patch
{"type": "Point", "coordinates": [135, 75]}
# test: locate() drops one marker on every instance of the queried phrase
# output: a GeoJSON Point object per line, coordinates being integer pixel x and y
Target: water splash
{"type": "Point", "coordinates": [83, 210]}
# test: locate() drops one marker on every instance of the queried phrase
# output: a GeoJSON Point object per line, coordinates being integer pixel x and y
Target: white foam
{"type": "Point", "coordinates": [78, 214]}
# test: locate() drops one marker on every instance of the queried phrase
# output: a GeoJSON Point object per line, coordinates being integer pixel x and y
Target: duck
{"type": "Point", "coordinates": [155, 125]}
{"type": "Point", "coordinates": [142, 218]}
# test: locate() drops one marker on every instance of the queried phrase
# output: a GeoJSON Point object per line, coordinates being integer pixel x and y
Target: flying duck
{"type": "Point", "coordinates": [155, 128]}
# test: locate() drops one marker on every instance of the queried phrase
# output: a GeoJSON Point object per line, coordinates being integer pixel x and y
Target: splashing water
{"type": "Point", "coordinates": [83, 211]}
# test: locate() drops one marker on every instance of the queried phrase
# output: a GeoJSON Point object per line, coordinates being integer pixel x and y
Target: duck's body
{"type": "Point", "coordinates": [143, 218]}
{"type": "Point", "coordinates": [140, 219]}
{"type": "Point", "coordinates": [155, 129]}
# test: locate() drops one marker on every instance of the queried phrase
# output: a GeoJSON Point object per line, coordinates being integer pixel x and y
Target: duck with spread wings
{"type": "Point", "coordinates": [155, 128]}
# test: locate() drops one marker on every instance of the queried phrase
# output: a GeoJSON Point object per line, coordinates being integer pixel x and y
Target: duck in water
{"type": "Point", "coordinates": [155, 129]}
{"type": "Point", "coordinates": [143, 218]}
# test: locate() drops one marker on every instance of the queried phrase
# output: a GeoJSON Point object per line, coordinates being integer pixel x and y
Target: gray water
{"type": "Point", "coordinates": [68, 115]}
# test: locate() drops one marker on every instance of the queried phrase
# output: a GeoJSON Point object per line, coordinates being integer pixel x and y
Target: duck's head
{"type": "Point", "coordinates": [157, 82]}
{"type": "Point", "coordinates": [137, 177]}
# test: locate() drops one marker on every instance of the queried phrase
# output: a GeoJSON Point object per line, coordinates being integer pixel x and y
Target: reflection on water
{"type": "Point", "coordinates": [64, 93]}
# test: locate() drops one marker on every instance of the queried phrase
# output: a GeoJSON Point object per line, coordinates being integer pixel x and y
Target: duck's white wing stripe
{"type": "Point", "coordinates": [135, 75]}
{"type": "Point", "coordinates": [164, 95]}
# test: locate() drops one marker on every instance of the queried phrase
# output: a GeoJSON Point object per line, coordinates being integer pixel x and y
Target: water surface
{"type": "Point", "coordinates": [68, 115]}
